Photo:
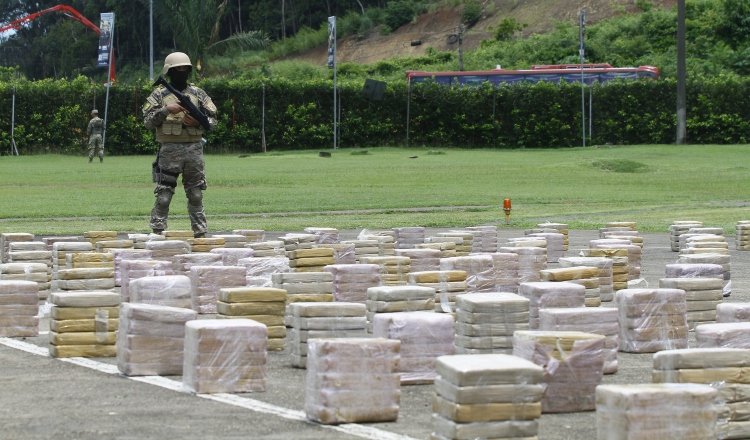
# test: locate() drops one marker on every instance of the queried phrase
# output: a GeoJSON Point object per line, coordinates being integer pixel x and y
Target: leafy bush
{"type": "Point", "coordinates": [471, 12]}
{"type": "Point", "coordinates": [398, 13]}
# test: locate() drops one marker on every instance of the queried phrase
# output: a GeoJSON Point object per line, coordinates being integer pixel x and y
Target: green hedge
{"type": "Point", "coordinates": [51, 116]}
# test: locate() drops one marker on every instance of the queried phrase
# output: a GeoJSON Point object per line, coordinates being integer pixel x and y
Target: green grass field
{"type": "Point", "coordinates": [584, 187]}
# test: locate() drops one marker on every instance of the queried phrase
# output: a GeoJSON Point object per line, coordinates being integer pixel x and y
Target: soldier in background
{"type": "Point", "coordinates": [181, 144]}
{"type": "Point", "coordinates": [94, 130]}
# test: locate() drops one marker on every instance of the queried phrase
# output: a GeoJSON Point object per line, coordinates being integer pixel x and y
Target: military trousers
{"type": "Point", "coordinates": [177, 159]}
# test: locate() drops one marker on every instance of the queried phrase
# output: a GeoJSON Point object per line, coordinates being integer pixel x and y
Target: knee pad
{"type": "Point", "coordinates": [163, 196]}
{"type": "Point", "coordinates": [194, 196]}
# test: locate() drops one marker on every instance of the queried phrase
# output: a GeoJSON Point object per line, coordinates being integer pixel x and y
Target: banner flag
{"type": "Point", "coordinates": [106, 27]}
{"type": "Point", "coordinates": [331, 62]}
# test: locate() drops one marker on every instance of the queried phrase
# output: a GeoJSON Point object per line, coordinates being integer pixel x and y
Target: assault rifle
{"type": "Point", "coordinates": [186, 103]}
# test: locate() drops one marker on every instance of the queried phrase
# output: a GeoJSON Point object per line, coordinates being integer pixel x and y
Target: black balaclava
{"type": "Point", "coordinates": [179, 78]}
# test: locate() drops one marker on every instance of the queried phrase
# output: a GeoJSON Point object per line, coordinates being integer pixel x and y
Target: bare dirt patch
{"type": "Point", "coordinates": [434, 30]}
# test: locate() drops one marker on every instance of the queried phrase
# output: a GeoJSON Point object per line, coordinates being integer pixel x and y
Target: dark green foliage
{"type": "Point", "coordinates": [398, 13]}
{"type": "Point", "coordinates": [472, 12]}
{"type": "Point", "coordinates": [51, 116]}
{"type": "Point", "coordinates": [507, 28]}
{"type": "Point", "coordinates": [620, 166]}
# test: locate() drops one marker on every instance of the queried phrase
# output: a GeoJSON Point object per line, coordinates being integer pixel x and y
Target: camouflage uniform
{"type": "Point", "coordinates": [94, 130]}
{"type": "Point", "coordinates": [181, 152]}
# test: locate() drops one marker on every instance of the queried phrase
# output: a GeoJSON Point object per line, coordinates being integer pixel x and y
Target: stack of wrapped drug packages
{"type": "Point", "coordinates": [480, 271]}
{"type": "Point", "coordinates": [151, 339]}
{"type": "Point", "coordinates": [231, 255]}
{"type": "Point", "coordinates": [87, 271]}
{"type": "Point", "coordinates": [487, 396]}
{"type": "Point", "coordinates": [121, 255]}
{"type": "Point", "coordinates": [205, 244]}
{"type": "Point", "coordinates": [505, 271]}
{"type": "Point", "coordinates": [323, 320]}
{"type": "Point", "coordinates": [112, 245]}
{"type": "Point", "coordinates": [531, 260]}
{"type": "Point", "coordinates": [351, 281]}
{"type": "Point", "coordinates": [363, 248]}
{"type": "Point", "coordinates": [725, 334]}
{"type": "Point", "coordinates": [60, 251]}
{"type": "Point", "coordinates": [251, 235]}
{"type": "Point", "coordinates": [270, 248]}
{"type": "Point", "coordinates": [448, 284]}
{"type": "Point", "coordinates": [573, 366]}
{"type": "Point", "coordinates": [231, 241]}
{"type": "Point", "coordinates": [724, 369]}
{"type": "Point", "coordinates": [389, 299]}
{"type": "Point", "coordinates": [206, 281]}
{"type": "Point", "coordinates": [704, 244]}
{"type": "Point", "coordinates": [485, 238]}
{"type": "Point", "coordinates": [555, 244]}
{"type": "Point", "coordinates": [634, 253]}
{"type": "Point", "coordinates": [19, 306]}
{"type": "Point", "coordinates": [600, 320]}
{"type": "Point", "coordinates": [83, 323]}
{"type": "Point", "coordinates": [679, 227]}
{"type": "Point", "coordinates": [134, 269]}
{"type": "Point", "coordinates": [166, 249]}
{"type": "Point", "coordinates": [225, 356]}
{"type": "Point", "coordinates": [544, 294]}
{"type": "Point", "coordinates": [562, 228]}
{"type": "Point", "coordinates": [652, 320]}
{"type": "Point", "coordinates": [262, 304]}
{"type": "Point", "coordinates": [699, 310]}
{"type": "Point", "coordinates": [304, 286]}
{"type": "Point", "coordinates": [35, 260]}
{"type": "Point", "coordinates": [656, 411]}
{"type": "Point", "coordinates": [352, 380]}
{"type": "Point", "coordinates": [182, 263]}
{"type": "Point", "coordinates": [421, 260]}
{"type": "Point", "coordinates": [424, 336]}
{"type": "Point", "coordinates": [258, 270]}
{"type": "Point", "coordinates": [310, 260]}
{"type": "Point", "coordinates": [485, 322]}
{"type": "Point", "coordinates": [712, 237]}
{"type": "Point", "coordinates": [409, 237]}
{"type": "Point", "coordinates": [168, 290]}
{"type": "Point", "coordinates": [733, 312]}
{"type": "Point", "coordinates": [586, 276]}
{"type": "Point", "coordinates": [6, 238]}
{"type": "Point", "coordinates": [702, 294]}
{"type": "Point", "coordinates": [95, 237]}
{"type": "Point", "coordinates": [604, 265]}
{"type": "Point", "coordinates": [722, 260]}
{"type": "Point", "coordinates": [742, 235]}
{"type": "Point", "coordinates": [324, 235]}
{"type": "Point", "coordinates": [620, 266]}
{"type": "Point", "coordinates": [394, 270]}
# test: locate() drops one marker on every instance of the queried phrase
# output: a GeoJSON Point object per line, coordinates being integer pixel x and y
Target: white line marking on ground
{"type": "Point", "coordinates": [354, 429]}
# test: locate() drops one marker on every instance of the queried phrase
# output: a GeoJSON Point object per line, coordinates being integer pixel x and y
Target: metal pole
{"type": "Point", "coordinates": [263, 120]}
{"type": "Point", "coordinates": [591, 111]}
{"type": "Point", "coordinates": [13, 147]}
{"type": "Point", "coordinates": [335, 93]}
{"type": "Point", "coordinates": [681, 75]}
{"type": "Point", "coordinates": [408, 108]}
{"type": "Point", "coordinates": [109, 83]}
{"type": "Point", "coordinates": [581, 54]}
{"type": "Point", "coordinates": [151, 40]}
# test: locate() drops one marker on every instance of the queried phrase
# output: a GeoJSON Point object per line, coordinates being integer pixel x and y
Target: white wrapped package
{"type": "Point", "coordinates": [726, 334]}
{"type": "Point", "coordinates": [40, 273]}
{"type": "Point", "coordinates": [231, 256]}
{"type": "Point", "coordinates": [447, 284]}
{"type": "Point", "coordinates": [486, 396]}
{"type": "Point", "coordinates": [573, 364]}
{"type": "Point", "coordinates": [352, 380]}
{"type": "Point", "coordinates": [505, 269]}
{"type": "Point", "coordinates": [323, 320]}
{"type": "Point", "coordinates": [544, 294]}
{"type": "Point", "coordinates": [127, 254]}
{"type": "Point", "coordinates": [733, 312]}
{"type": "Point", "coordinates": [163, 249]}
{"type": "Point", "coordinates": [225, 356]}
{"type": "Point", "coordinates": [485, 322]}
{"type": "Point", "coordinates": [182, 263]}
{"type": "Point", "coordinates": [652, 319]}
{"type": "Point", "coordinates": [351, 281]}
{"type": "Point", "coordinates": [270, 248]}
{"type": "Point", "coordinates": [150, 340]}
{"type": "Point", "coordinates": [480, 271]}
{"type": "Point", "coordinates": [421, 259]}
{"type": "Point", "coordinates": [424, 336]}
{"type": "Point", "coordinates": [206, 282]}
{"type": "Point", "coordinates": [258, 303]}
{"type": "Point", "coordinates": [134, 269]}
{"type": "Point", "coordinates": [19, 308]}
{"type": "Point", "coordinates": [259, 269]}
{"type": "Point", "coordinates": [656, 411]}
{"type": "Point", "coordinates": [169, 290]}
{"type": "Point", "coordinates": [599, 320]}
{"type": "Point", "coordinates": [694, 270]}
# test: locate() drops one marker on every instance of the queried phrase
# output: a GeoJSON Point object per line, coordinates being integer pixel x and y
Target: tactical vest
{"type": "Point", "coordinates": [173, 130]}
{"type": "Point", "coordinates": [97, 126]}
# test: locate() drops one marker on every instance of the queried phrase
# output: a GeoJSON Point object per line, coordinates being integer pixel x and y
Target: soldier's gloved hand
{"type": "Point", "coordinates": [174, 108]}
{"type": "Point", "coordinates": [190, 121]}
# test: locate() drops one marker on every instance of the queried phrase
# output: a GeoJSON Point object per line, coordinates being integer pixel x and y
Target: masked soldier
{"type": "Point", "coordinates": [181, 141]}
{"type": "Point", "coordinates": [94, 130]}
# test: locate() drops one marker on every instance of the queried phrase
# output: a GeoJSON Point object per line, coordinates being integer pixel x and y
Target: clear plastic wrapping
{"type": "Point", "coordinates": [81, 324]}
{"type": "Point", "coordinates": [573, 366]}
{"type": "Point", "coordinates": [726, 334]}
{"type": "Point", "coordinates": [151, 339]}
{"type": "Point", "coordinates": [352, 380]}
{"type": "Point", "coordinates": [168, 290]}
{"type": "Point", "coordinates": [225, 356]}
{"type": "Point", "coordinates": [134, 269]}
{"type": "Point", "coordinates": [448, 284]}
{"type": "Point", "coordinates": [231, 256]}
{"type": "Point", "coordinates": [351, 281]}
{"type": "Point", "coordinates": [261, 304]}
{"type": "Point", "coordinates": [652, 319]}
{"type": "Point", "coordinates": [479, 269]}
{"type": "Point", "coordinates": [545, 294]}
{"type": "Point", "coordinates": [206, 282]}
{"type": "Point", "coordinates": [19, 308]}
{"type": "Point", "coordinates": [424, 336]}
{"type": "Point", "coordinates": [259, 269]}
{"type": "Point", "coordinates": [485, 322]}
{"type": "Point", "coordinates": [658, 411]}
